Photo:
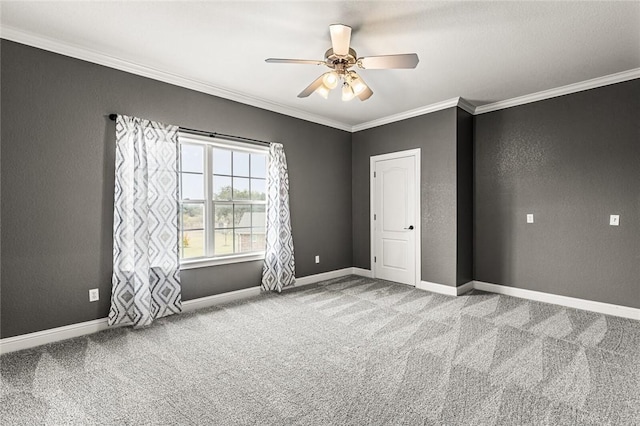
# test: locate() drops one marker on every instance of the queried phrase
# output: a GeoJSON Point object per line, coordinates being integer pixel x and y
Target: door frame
{"type": "Point", "coordinates": [415, 153]}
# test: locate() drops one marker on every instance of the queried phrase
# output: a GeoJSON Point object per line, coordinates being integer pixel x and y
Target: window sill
{"type": "Point", "coordinates": [223, 260]}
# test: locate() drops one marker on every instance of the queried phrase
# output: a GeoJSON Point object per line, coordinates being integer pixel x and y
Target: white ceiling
{"type": "Point", "coordinates": [482, 51]}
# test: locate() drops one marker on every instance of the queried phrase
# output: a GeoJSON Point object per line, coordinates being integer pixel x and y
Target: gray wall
{"type": "Point", "coordinates": [464, 197]}
{"type": "Point", "coordinates": [435, 134]}
{"type": "Point", "coordinates": [57, 175]}
{"type": "Point", "coordinates": [571, 161]}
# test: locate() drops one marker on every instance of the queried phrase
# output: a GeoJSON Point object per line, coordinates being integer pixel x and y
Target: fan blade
{"type": "Point", "coordinates": [312, 87]}
{"type": "Point", "coordinates": [294, 61]}
{"type": "Point", "coordinates": [340, 38]}
{"type": "Point", "coordinates": [408, 60]}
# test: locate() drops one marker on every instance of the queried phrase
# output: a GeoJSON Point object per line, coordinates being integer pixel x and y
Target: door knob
{"type": "Point", "coordinates": [410, 227]}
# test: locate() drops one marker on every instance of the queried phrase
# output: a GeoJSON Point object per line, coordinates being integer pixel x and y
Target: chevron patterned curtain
{"type": "Point", "coordinates": [279, 268]}
{"type": "Point", "coordinates": [146, 267]}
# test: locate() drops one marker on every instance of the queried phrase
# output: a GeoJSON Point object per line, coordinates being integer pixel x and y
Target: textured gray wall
{"type": "Point", "coordinates": [435, 134]}
{"type": "Point", "coordinates": [57, 173]}
{"type": "Point", "coordinates": [464, 197]}
{"type": "Point", "coordinates": [571, 161]}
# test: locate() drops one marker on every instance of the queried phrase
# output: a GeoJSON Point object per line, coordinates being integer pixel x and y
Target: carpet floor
{"type": "Point", "coordinates": [351, 350]}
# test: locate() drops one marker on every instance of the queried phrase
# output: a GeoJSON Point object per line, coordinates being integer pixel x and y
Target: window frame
{"type": "Point", "coordinates": [209, 143]}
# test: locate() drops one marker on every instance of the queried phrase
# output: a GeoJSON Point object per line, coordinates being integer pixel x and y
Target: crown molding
{"type": "Point", "coordinates": [95, 57]}
{"type": "Point", "coordinates": [594, 83]}
{"type": "Point", "coordinates": [449, 103]}
{"type": "Point", "coordinates": [466, 106]}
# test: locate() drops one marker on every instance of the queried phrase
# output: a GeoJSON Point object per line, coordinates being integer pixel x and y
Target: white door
{"type": "Point", "coordinates": [395, 217]}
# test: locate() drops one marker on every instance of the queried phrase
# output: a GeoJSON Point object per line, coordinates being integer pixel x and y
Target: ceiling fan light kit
{"type": "Point", "coordinates": [356, 82]}
{"type": "Point", "coordinates": [331, 79]}
{"type": "Point", "coordinates": [323, 91]}
{"type": "Point", "coordinates": [347, 92]}
{"type": "Point", "coordinates": [340, 58]}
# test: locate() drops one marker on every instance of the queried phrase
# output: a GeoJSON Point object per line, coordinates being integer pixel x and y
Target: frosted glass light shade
{"type": "Point", "coordinates": [330, 80]}
{"type": "Point", "coordinates": [358, 85]}
{"type": "Point", "coordinates": [347, 93]}
{"type": "Point", "coordinates": [323, 91]}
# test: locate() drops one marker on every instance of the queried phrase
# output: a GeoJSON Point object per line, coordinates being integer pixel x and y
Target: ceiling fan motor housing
{"type": "Point", "coordinates": [340, 62]}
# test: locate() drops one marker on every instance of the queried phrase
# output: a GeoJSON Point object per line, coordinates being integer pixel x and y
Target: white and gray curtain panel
{"type": "Point", "coordinates": [279, 264]}
{"type": "Point", "coordinates": [146, 266]}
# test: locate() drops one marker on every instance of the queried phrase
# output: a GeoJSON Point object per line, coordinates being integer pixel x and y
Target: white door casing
{"type": "Point", "coordinates": [395, 216]}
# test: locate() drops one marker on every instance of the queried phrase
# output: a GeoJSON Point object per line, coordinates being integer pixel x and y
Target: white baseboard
{"type": "Point", "coordinates": [570, 302]}
{"type": "Point", "coordinates": [361, 272]}
{"type": "Point", "coordinates": [310, 279]}
{"type": "Point", "coordinates": [437, 288]}
{"type": "Point", "coordinates": [31, 340]}
{"type": "Point", "coordinates": [445, 289]}
{"type": "Point", "coordinates": [38, 338]}
{"type": "Point", "coordinates": [464, 288]}
{"type": "Point", "coordinates": [217, 299]}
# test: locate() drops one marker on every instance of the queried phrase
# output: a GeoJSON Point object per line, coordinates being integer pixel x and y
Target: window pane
{"type": "Point", "coordinates": [223, 216]}
{"type": "Point", "coordinates": [221, 187]}
{"type": "Point", "coordinates": [192, 186]}
{"type": "Point", "coordinates": [192, 216]}
{"type": "Point", "coordinates": [258, 215]}
{"type": "Point", "coordinates": [258, 189]}
{"type": "Point", "coordinates": [240, 163]}
{"type": "Point", "coordinates": [192, 244]}
{"type": "Point", "coordinates": [241, 216]}
{"type": "Point", "coordinates": [223, 241]}
{"type": "Point", "coordinates": [242, 240]}
{"type": "Point", "coordinates": [240, 188]}
{"type": "Point", "coordinates": [191, 158]}
{"type": "Point", "coordinates": [239, 227]}
{"type": "Point", "coordinates": [257, 238]}
{"type": "Point", "coordinates": [258, 165]}
{"type": "Point", "coordinates": [221, 161]}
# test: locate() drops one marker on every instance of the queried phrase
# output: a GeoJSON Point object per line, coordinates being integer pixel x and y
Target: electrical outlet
{"type": "Point", "coordinates": [614, 220]}
{"type": "Point", "coordinates": [529, 218]}
{"type": "Point", "coordinates": [94, 295]}
{"type": "Point", "coordinates": [317, 259]}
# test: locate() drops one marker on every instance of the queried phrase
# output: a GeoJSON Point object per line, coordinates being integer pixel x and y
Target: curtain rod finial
{"type": "Point", "coordinates": [113, 117]}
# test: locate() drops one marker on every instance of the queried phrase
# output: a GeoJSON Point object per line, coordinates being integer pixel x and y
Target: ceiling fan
{"type": "Point", "coordinates": [341, 58]}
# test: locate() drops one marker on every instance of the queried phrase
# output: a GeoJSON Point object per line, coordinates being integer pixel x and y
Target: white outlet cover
{"type": "Point", "coordinates": [614, 220]}
{"type": "Point", "coordinates": [94, 294]}
{"type": "Point", "coordinates": [317, 259]}
{"type": "Point", "coordinates": [529, 218]}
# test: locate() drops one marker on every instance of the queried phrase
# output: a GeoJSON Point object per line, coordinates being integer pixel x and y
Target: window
{"type": "Point", "coordinates": [222, 201]}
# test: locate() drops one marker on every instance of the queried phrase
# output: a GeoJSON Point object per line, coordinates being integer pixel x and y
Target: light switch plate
{"type": "Point", "coordinates": [529, 218]}
{"type": "Point", "coordinates": [614, 220]}
{"type": "Point", "coordinates": [317, 259]}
